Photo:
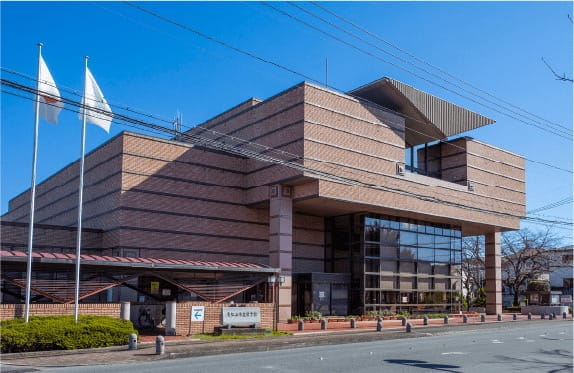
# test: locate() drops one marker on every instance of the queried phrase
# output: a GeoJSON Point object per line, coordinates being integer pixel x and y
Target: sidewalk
{"type": "Point", "coordinates": [180, 347]}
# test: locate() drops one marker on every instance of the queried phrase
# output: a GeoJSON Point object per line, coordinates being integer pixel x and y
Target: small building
{"type": "Point", "coordinates": [360, 200]}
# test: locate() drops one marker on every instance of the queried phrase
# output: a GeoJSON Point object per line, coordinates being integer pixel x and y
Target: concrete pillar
{"type": "Point", "coordinates": [125, 310]}
{"type": "Point", "coordinates": [170, 317]}
{"type": "Point", "coordinates": [281, 243]}
{"type": "Point", "coordinates": [493, 273]}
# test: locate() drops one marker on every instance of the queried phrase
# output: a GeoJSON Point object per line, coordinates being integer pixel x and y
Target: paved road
{"type": "Point", "coordinates": [542, 347]}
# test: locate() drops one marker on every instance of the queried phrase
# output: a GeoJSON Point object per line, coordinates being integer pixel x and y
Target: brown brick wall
{"type": "Point", "coordinates": [11, 311]}
{"type": "Point", "coordinates": [184, 326]}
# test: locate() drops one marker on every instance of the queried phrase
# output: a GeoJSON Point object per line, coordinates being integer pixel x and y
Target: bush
{"type": "Point", "coordinates": [45, 333]}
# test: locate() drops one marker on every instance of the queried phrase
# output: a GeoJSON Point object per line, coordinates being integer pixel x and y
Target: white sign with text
{"type": "Point", "coordinates": [241, 315]}
{"type": "Point", "coordinates": [197, 313]}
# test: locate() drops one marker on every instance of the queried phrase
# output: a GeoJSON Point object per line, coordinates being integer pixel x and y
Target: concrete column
{"type": "Point", "coordinates": [281, 242]}
{"type": "Point", "coordinates": [493, 273]}
{"type": "Point", "coordinates": [170, 317]}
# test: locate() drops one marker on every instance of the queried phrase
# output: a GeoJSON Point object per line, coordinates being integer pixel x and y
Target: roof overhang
{"type": "Point", "coordinates": [427, 118]}
{"type": "Point", "coordinates": [136, 263]}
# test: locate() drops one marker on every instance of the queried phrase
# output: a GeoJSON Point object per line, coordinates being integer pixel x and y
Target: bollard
{"type": "Point", "coordinates": [300, 325]}
{"type": "Point", "coordinates": [125, 310]}
{"type": "Point", "coordinates": [159, 345]}
{"type": "Point", "coordinates": [465, 319]}
{"type": "Point", "coordinates": [403, 321]}
{"type": "Point", "coordinates": [409, 327]}
{"type": "Point", "coordinates": [550, 315]}
{"type": "Point", "coordinates": [564, 315]}
{"type": "Point", "coordinates": [425, 320]}
{"type": "Point", "coordinates": [529, 315]}
{"type": "Point", "coordinates": [323, 324]}
{"type": "Point", "coordinates": [379, 325]}
{"type": "Point", "coordinates": [514, 317]}
{"type": "Point", "coordinates": [542, 316]}
{"type": "Point", "coordinates": [446, 319]}
{"type": "Point", "coordinates": [498, 317]}
{"type": "Point", "coordinates": [353, 324]}
{"type": "Point", "coordinates": [133, 342]}
{"type": "Point", "coordinates": [482, 318]}
{"type": "Point", "coordinates": [553, 316]}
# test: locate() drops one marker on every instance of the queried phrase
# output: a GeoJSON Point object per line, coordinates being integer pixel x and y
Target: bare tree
{"type": "Point", "coordinates": [525, 257]}
{"type": "Point", "coordinates": [472, 267]}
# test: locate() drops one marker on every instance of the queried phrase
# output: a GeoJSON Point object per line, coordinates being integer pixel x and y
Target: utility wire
{"type": "Point", "coordinates": [249, 154]}
{"type": "Point", "coordinates": [421, 68]}
{"type": "Point", "coordinates": [557, 132]}
{"type": "Point", "coordinates": [552, 205]}
{"type": "Point", "coordinates": [316, 81]}
{"type": "Point", "coordinates": [431, 65]}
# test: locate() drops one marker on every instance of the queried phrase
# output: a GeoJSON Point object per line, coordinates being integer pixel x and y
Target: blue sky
{"type": "Point", "coordinates": [142, 62]}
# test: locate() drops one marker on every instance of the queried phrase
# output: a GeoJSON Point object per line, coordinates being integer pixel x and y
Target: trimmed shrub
{"type": "Point", "coordinates": [45, 333]}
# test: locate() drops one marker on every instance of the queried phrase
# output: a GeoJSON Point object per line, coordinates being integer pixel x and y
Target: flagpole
{"type": "Point", "coordinates": [80, 196]}
{"type": "Point", "coordinates": [33, 192]}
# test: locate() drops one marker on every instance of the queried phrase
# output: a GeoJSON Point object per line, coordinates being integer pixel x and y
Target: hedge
{"type": "Point", "coordinates": [45, 333]}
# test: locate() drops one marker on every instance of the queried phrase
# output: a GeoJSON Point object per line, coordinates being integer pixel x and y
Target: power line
{"type": "Point", "coordinates": [556, 132]}
{"type": "Point", "coordinates": [311, 79]}
{"type": "Point", "coordinates": [431, 65]}
{"type": "Point", "coordinates": [552, 205]}
{"type": "Point", "coordinates": [416, 66]}
{"type": "Point", "coordinates": [259, 156]}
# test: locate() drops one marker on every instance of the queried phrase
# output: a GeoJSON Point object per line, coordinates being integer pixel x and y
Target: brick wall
{"type": "Point", "coordinates": [184, 326]}
{"type": "Point", "coordinates": [10, 311]}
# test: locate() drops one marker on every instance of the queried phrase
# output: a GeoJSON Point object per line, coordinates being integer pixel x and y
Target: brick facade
{"type": "Point", "coordinates": [10, 311]}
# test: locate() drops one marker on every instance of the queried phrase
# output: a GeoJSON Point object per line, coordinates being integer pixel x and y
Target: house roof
{"type": "Point", "coordinates": [427, 117]}
{"type": "Point", "coordinates": [119, 261]}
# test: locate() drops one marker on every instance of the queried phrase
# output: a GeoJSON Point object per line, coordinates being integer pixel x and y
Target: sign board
{"type": "Point", "coordinates": [197, 313]}
{"type": "Point", "coordinates": [321, 294]}
{"type": "Point", "coordinates": [154, 287]}
{"type": "Point", "coordinates": [565, 299]}
{"type": "Point", "coordinates": [241, 316]}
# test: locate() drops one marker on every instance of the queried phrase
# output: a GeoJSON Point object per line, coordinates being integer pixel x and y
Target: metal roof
{"type": "Point", "coordinates": [119, 261]}
{"type": "Point", "coordinates": [428, 117]}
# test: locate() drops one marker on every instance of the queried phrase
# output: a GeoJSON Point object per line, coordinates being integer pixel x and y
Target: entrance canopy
{"type": "Point", "coordinates": [211, 281]}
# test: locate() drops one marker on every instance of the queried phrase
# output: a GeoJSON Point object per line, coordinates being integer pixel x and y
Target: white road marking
{"type": "Point", "coordinates": [520, 337]}
{"type": "Point", "coordinates": [530, 340]}
{"type": "Point", "coordinates": [454, 353]}
{"type": "Point", "coordinates": [496, 341]}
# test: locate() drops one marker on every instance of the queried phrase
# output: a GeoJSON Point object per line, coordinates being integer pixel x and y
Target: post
{"type": "Point", "coordinates": [493, 273]}
{"type": "Point", "coordinates": [514, 317]}
{"type": "Point", "coordinates": [482, 318]}
{"type": "Point", "coordinates": [425, 320]}
{"type": "Point", "coordinates": [529, 315]}
{"type": "Point", "coordinates": [353, 324]}
{"type": "Point", "coordinates": [465, 319]}
{"type": "Point", "coordinates": [379, 325]}
{"type": "Point", "coordinates": [403, 321]}
{"type": "Point", "coordinates": [300, 325]}
{"type": "Point", "coordinates": [125, 309]}
{"type": "Point", "coordinates": [323, 324]}
{"type": "Point", "coordinates": [159, 345]}
{"type": "Point", "coordinates": [564, 316]}
{"type": "Point", "coordinates": [33, 193]}
{"type": "Point", "coordinates": [409, 327]}
{"type": "Point", "coordinates": [80, 197]}
{"type": "Point", "coordinates": [445, 319]}
{"type": "Point", "coordinates": [499, 317]}
{"type": "Point", "coordinates": [170, 318]}
{"type": "Point", "coordinates": [133, 342]}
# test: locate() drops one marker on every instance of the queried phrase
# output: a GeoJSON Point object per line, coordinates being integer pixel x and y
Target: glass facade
{"type": "Point", "coordinates": [396, 263]}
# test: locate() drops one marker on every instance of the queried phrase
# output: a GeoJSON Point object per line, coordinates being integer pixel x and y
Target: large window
{"type": "Point", "coordinates": [410, 264]}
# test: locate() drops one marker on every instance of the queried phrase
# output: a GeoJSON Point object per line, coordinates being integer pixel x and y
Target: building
{"type": "Point", "coordinates": [350, 196]}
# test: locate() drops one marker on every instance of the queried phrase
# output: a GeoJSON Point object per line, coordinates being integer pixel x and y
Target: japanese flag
{"type": "Point", "coordinates": [50, 101]}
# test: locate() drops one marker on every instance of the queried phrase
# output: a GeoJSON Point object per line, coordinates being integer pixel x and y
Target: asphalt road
{"type": "Point", "coordinates": [540, 347]}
